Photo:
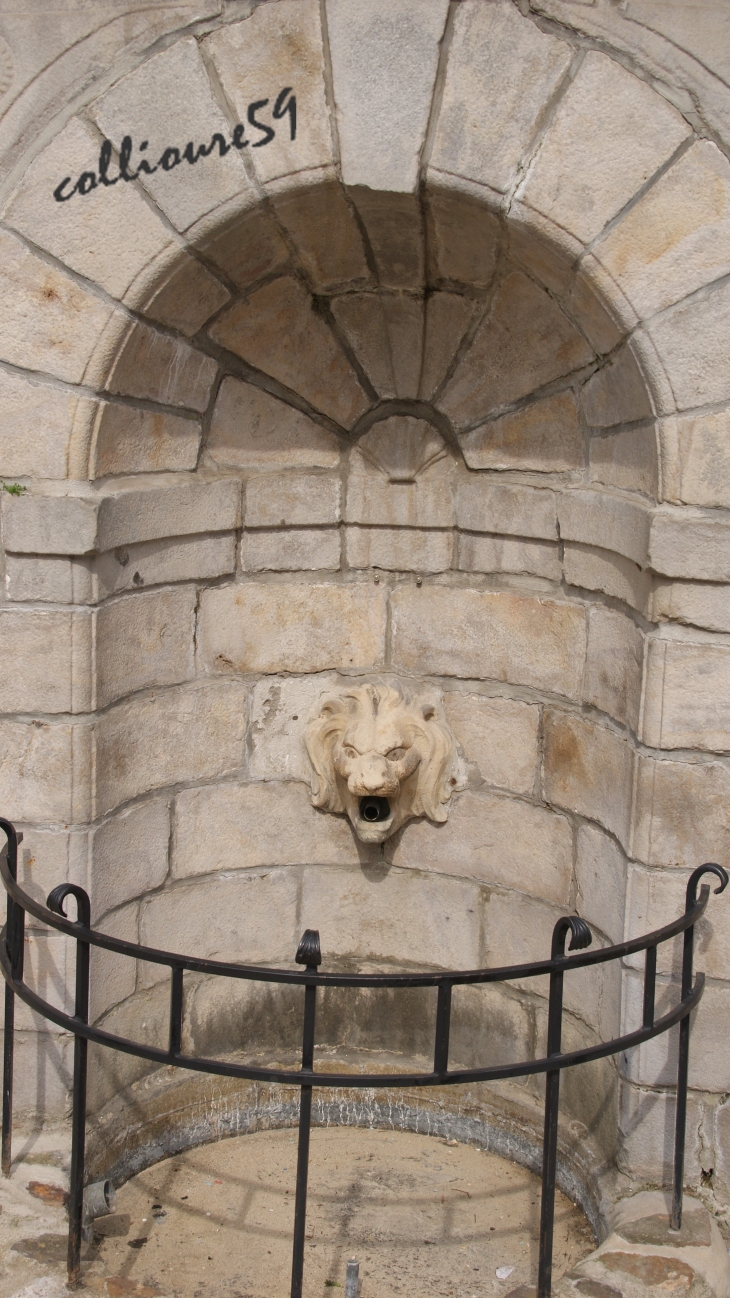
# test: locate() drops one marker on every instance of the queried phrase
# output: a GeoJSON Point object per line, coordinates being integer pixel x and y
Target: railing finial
{"type": "Point", "coordinates": [308, 951]}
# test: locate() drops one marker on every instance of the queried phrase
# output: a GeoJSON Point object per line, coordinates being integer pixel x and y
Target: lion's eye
{"type": "Point", "coordinates": [396, 754]}
{"type": "Point", "coordinates": [349, 752]}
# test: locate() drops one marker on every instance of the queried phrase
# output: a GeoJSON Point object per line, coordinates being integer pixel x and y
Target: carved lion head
{"type": "Point", "coordinates": [383, 755]}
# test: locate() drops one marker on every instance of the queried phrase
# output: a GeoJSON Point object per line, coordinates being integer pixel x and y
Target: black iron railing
{"type": "Point", "coordinates": [309, 955]}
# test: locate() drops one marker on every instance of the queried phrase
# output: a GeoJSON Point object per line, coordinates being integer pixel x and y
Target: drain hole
{"type": "Point", "coordinates": [374, 809]}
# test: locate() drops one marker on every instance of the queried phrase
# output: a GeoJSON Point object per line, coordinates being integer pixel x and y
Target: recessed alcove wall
{"type": "Point", "coordinates": [305, 420]}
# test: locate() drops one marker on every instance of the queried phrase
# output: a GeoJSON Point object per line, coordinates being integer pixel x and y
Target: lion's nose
{"type": "Point", "coordinates": [373, 777]}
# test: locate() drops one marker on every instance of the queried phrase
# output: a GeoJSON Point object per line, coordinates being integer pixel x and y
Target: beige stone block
{"type": "Point", "coordinates": [399, 549]}
{"type": "Point", "coordinates": [47, 858]}
{"type": "Point", "coordinates": [600, 873]}
{"type": "Point", "coordinates": [675, 239]}
{"type": "Point", "coordinates": [194, 733]}
{"type": "Point", "coordinates": [595, 569]}
{"type": "Point", "coordinates": [291, 499]}
{"type": "Point", "coordinates": [423, 499]}
{"type": "Point", "coordinates": [384, 61]}
{"type": "Point", "coordinates": [294, 628]}
{"type": "Point", "coordinates": [499, 736]}
{"type": "Point", "coordinates": [281, 709]}
{"type": "Point", "coordinates": [614, 665]}
{"type": "Point", "coordinates": [687, 695]}
{"type": "Point", "coordinates": [247, 248]}
{"type": "Point", "coordinates": [362, 320]}
{"type": "Point", "coordinates": [393, 225]}
{"type": "Point", "coordinates": [690, 543]}
{"type": "Point", "coordinates": [129, 855]}
{"type": "Point", "coordinates": [610, 133]}
{"type": "Point", "coordinates": [34, 579]}
{"type": "Point", "coordinates": [494, 635]}
{"type": "Point", "coordinates": [692, 340]}
{"type": "Point", "coordinates": [501, 71]}
{"type": "Point", "coordinates": [251, 429]}
{"type": "Point", "coordinates": [276, 330]}
{"type": "Point", "coordinates": [500, 554]}
{"type": "Point", "coordinates": [519, 929]}
{"type": "Point", "coordinates": [694, 604]}
{"type": "Point", "coordinates": [523, 342]}
{"type": "Point", "coordinates": [464, 238]}
{"type": "Point", "coordinates": [547, 253]}
{"type": "Point", "coordinates": [306, 549]}
{"type": "Point", "coordinates": [107, 235]}
{"type": "Point", "coordinates": [186, 297]}
{"type": "Point", "coordinates": [168, 99]}
{"type": "Point", "coordinates": [656, 898]}
{"type": "Point", "coordinates": [699, 464]}
{"type": "Point", "coordinates": [655, 1062]}
{"type": "Point", "coordinates": [57, 524]}
{"type": "Point", "coordinates": [448, 316]}
{"type": "Point", "coordinates": [43, 1078]}
{"type": "Point", "coordinates": [152, 563]}
{"type": "Point", "coordinates": [46, 971]}
{"type": "Point", "coordinates": [49, 322]}
{"type": "Point", "coordinates": [607, 521]}
{"type": "Point", "coordinates": [486, 505]}
{"type": "Point", "coordinates": [626, 460]}
{"type": "Point", "coordinates": [321, 224]}
{"type": "Point", "coordinates": [682, 812]}
{"type": "Point", "coordinates": [646, 1116]}
{"type": "Point", "coordinates": [130, 440]}
{"type": "Point", "coordinates": [37, 422]}
{"type": "Point", "coordinates": [544, 436]}
{"type": "Point", "coordinates": [617, 393]}
{"type": "Point", "coordinates": [144, 640]}
{"type": "Point", "coordinates": [590, 312]}
{"type": "Point", "coordinates": [235, 822]}
{"type": "Point", "coordinates": [149, 511]}
{"type": "Point", "coordinates": [113, 977]}
{"type": "Point", "coordinates": [157, 367]}
{"type": "Point", "coordinates": [48, 661]}
{"type": "Point", "coordinates": [273, 48]}
{"type": "Point", "coordinates": [588, 769]}
{"type": "Point", "coordinates": [404, 320]}
{"type": "Point", "coordinates": [45, 771]}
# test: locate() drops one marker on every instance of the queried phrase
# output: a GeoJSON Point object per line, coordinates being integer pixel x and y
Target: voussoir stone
{"type": "Point", "coordinates": [129, 440]}
{"type": "Point", "coordinates": [544, 436]}
{"type": "Point", "coordinates": [250, 429]}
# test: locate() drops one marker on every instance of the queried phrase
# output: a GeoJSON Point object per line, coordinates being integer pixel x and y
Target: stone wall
{"type": "Point", "coordinates": [436, 389]}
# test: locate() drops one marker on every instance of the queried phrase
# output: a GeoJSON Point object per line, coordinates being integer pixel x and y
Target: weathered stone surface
{"type": "Point", "coordinates": [501, 71]}
{"type": "Point", "coordinates": [687, 695]}
{"type": "Point", "coordinates": [696, 459]}
{"type": "Point", "coordinates": [394, 227]}
{"type": "Point", "coordinates": [655, 1062]}
{"type": "Point", "coordinates": [150, 511]}
{"type": "Point", "coordinates": [626, 460]}
{"type": "Point", "coordinates": [144, 640]}
{"type": "Point", "coordinates": [581, 186]}
{"type": "Point", "coordinates": [610, 522]}
{"type": "Point", "coordinates": [399, 549]}
{"type": "Point", "coordinates": [490, 634]}
{"type": "Point", "coordinates": [234, 821]}
{"type": "Point", "coordinates": [404, 319]}
{"type": "Point", "coordinates": [500, 554]}
{"type": "Point", "coordinates": [113, 977]}
{"type": "Point", "coordinates": [524, 341]}
{"type": "Point", "coordinates": [499, 735]}
{"type": "Point", "coordinates": [249, 247]}
{"type": "Point", "coordinates": [153, 365]}
{"type": "Point", "coordinates": [601, 882]}
{"type": "Point", "coordinates": [151, 563]}
{"type": "Point", "coordinates": [423, 499]}
{"type": "Point", "coordinates": [185, 734]}
{"type": "Point", "coordinates": [693, 343]}
{"type": "Point", "coordinates": [588, 769]}
{"type": "Point", "coordinates": [45, 970]}
{"type": "Point", "coordinates": [596, 569]}
{"type": "Point", "coordinates": [49, 857]}
{"type": "Point", "coordinates": [690, 543]}
{"type": "Point", "coordinates": [614, 665]}
{"type": "Point", "coordinates": [130, 855]}
{"type": "Point", "coordinates": [251, 628]}
{"type": "Point", "coordinates": [291, 550]}
{"type": "Point", "coordinates": [545, 436]}
{"type": "Point", "coordinates": [252, 430]}
{"type": "Point", "coordinates": [50, 659]}
{"type": "Point", "coordinates": [47, 580]}
{"type": "Point", "coordinates": [362, 320]}
{"type": "Point", "coordinates": [321, 224]}
{"type": "Point", "coordinates": [645, 1117]}
{"type": "Point", "coordinates": [270, 49]}
{"type": "Point", "coordinates": [590, 311]}
{"type": "Point", "coordinates": [186, 297]}
{"type": "Point", "coordinates": [681, 812]}
{"type": "Point", "coordinates": [464, 238]}
{"type": "Point", "coordinates": [519, 929]}
{"type": "Point", "coordinates": [291, 499]}
{"type": "Point", "coordinates": [384, 61]}
{"type": "Point", "coordinates": [447, 318]}
{"type": "Point", "coordinates": [695, 604]}
{"type": "Point", "coordinates": [59, 524]}
{"type": "Point", "coordinates": [488, 505]}
{"type": "Point", "coordinates": [281, 709]}
{"type": "Point", "coordinates": [657, 897]}
{"type": "Point", "coordinates": [45, 770]}
{"type": "Point", "coordinates": [277, 331]}
{"type": "Point", "coordinates": [617, 393]}
{"type": "Point", "coordinates": [37, 423]}
{"type": "Point", "coordinates": [130, 440]}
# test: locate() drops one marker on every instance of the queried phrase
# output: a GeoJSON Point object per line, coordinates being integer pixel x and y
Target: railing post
{"type": "Point", "coordinates": [15, 931]}
{"type": "Point", "coordinates": [78, 1116]}
{"type": "Point", "coordinates": [443, 1028]}
{"type": "Point", "coordinates": [580, 937]}
{"type": "Point", "coordinates": [308, 954]}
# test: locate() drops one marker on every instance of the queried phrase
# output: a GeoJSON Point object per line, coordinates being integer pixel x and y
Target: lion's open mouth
{"type": "Point", "coordinates": [374, 809]}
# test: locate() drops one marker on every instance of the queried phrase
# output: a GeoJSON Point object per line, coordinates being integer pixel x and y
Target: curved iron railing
{"type": "Point", "coordinates": [310, 977]}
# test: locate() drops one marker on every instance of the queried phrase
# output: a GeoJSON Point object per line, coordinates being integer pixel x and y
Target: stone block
{"type": "Point", "coordinates": [645, 1153]}
{"type": "Point", "coordinates": [694, 604]}
{"type": "Point", "coordinates": [399, 549]}
{"type": "Point", "coordinates": [595, 569]}
{"type": "Point", "coordinates": [657, 897]}
{"type": "Point", "coordinates": [404, 320]}
{"type": "Point", "coordinates": [277, 331]}
{"type": "Point", "coordinates": [130, 440]}
{"type": "Point", "coordinates": [655, 1062]}
{"type": "Point", "coordinates": [501, 71]}
{"type": "Point", "coordinates": [547, 253]}
{"type": "Point", "coordinates": [617, 393]}
{"type": "Point", "coordinates": [130, 855]}
{"type": "Point", "coordinates": [494, 635]}
{"type": "Point", "coordinates": [362, 320]}
{"type": "Point", "coordinates": [600, 873]}
{"type": "Point", "coordinates": [49, 322]}
{"type": "Point", "coordinates": [48, 857]}
{"type": "Point", "coordinates": [150, 511]}
{"type": "Point", "coordinates": [609, 134]}
{"type": "Point", "coordinates": [51, 658]}
{"type": "Point", "coordinates": [675, 238]}
{"type": "Point", "coordinates": [280, 711]}
{"type": "Point", "coordinates": [499, 735]}
{"type": "Point", "coordinates": [681, 812]}
{"type": "Point", "coordinates": [544, 436]}
{"type": "Point", "coordinates": [321, 224]}
{"type": "Point", "coordinates": [448, 316]}
{"type": "Point", "coordinates": [384, 61]}
{"type": "Point", "coordinates": [519, 929]}
{"type": "Point", "coordinates": [37, 426]}
{"type": "Point", "coordinates": [393, 225]}
{"type": "Point", "coordinates": [151, 563]}
{"type": "Point", "coordinates": [422, 499]}
{"type": "Point", "coordinates": [687, 695]}
{"type": "Point", "coordinates": [590, 312]}
{"type": "Point", "coordinates": [297, 549]}
{"type": "Point", "coordinates": [158, 367]}
{"type": "Point", "coordinates": [523, 342]}
{"type": "Point", "coordinates": [45, 771]}
{"type": "Point", "coordinates": [500, 554]}
{"type": "Point", "coordinates": [144, 640]}
{"type": "Point", "coordinates": [106, 235]}
{"type": "Point", "coordinates": [696, 459]}
{"type": "Point", "coordinates": [169, 100]}
{"type": "Point", "coordinates": [247, 248]}
{"type": "Point", "coordinates": [610, 522]}
{"type": "Point", "coordinates": [194, 733]}
{"type": "Point", "coordinates": [293, 499]}
{"type": "Point", "coordinates": [52, 524]}
{"type": "Point", "coordinates": [464, 238]}
{"type": "Point", "coordinates": [32, 579]}
{"type": "Point", "coordinates": [613, 674]}
{"type": "Point", "coordinates": [186, 298]}
{"type": "Point", "coordinates": [113, 977]}
{"type": "Point", "coordinates": [488, 505]}
{"type": "Point", "coordinates": [690, 543]}
{"type": "Point", "coordinates": [235, 823]}
{"type": "Point", "coordinates": [271, 49]}
{"type": "Point", "coordinates": [692, 341]}
{"type": "Point", "coordinates": [626, 460]}
{"type": "Point", "coordinates": [294, 628]}
{"type": "Point", "coordinates": [250, 429]}
{"type": "Point", "coordinates": [588, 769]}
{"type": "Point", "coordinates": [46, 970]}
